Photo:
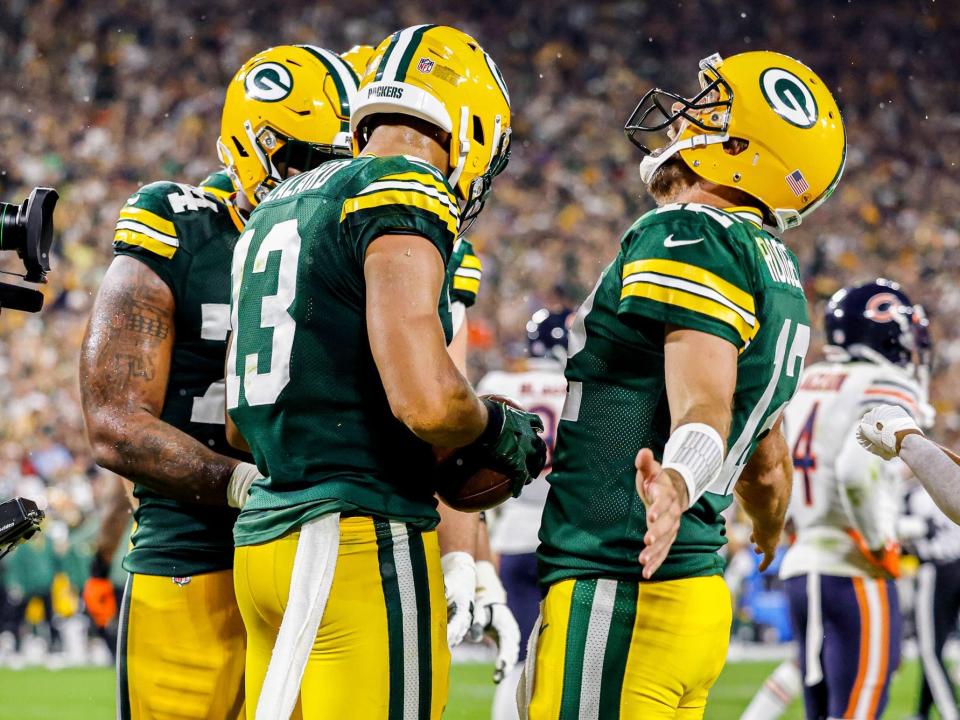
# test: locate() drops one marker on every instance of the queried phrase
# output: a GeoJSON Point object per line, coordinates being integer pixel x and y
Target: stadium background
{"type": "Point", "coordinates": [97, 98]}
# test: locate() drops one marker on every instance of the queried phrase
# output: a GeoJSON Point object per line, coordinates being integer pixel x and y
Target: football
{"type": "Point", "coordinates": [463, 483]}
{"type": "Point", "coordinates": [466, 486]}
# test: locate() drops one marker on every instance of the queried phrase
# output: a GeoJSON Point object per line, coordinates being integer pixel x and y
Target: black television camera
{"type": "Point", "coordinates": [19, 521]}
{"type": "Point", "coordinates": [28, 229]}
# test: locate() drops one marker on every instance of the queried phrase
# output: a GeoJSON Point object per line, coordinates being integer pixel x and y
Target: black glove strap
{"type": "Point", "coordinates": [494, 423]}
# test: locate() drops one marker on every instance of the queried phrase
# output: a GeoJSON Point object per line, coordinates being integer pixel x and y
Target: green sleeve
{"type": "Point", "coordinates": [690, 273]}
{"type": "Point", "coordinates": [402, 198]}
{"type": "Point", "coordinates": [465, 271]}
{"type": "Point", "coordinates": [147, 230]}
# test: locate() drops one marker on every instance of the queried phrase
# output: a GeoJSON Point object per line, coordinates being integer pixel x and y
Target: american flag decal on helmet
{"type": "Point", "coordinates": [798, 183]}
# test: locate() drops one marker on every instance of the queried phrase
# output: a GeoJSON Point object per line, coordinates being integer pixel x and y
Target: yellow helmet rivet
{"type": "Point", "coordinates": [696, 163]}
{"type": "Point", "coordinates": [736, 177]}
{"type": "Point", "coordinates": [269, 140]}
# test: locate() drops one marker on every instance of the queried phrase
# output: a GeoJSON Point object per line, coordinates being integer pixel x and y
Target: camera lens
{"type": "Point", "coordinates": [13, 230]}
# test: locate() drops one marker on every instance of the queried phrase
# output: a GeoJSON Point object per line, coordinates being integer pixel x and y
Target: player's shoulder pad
{"type": "Point", "coordinates": [889, 385]}
{"type": "Point", "coordinates": [153, 216]}
{"type": "Point", "coordinates": [218, 184]}
{"type": "Point", "coordinates": [404, 180]}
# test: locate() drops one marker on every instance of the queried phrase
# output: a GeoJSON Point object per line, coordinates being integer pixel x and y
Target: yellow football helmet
{"type": "Point", "coordinates": [792, 145]}
{"type": "Point", "coordinates": [442, 75]}
{"type": "Point", "coordinates": [358, 58]}
{"type": "Point", "coordinates": [292, 98]}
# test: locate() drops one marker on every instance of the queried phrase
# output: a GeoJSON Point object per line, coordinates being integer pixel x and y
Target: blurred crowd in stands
{"type": "Point", "coordinates": [98, 97]}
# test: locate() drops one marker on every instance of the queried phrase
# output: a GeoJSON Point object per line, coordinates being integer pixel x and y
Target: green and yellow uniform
{"type": "Point", "coordinates": [599, 654]}
{"type": "Point", "coordinates": [182, 640]}
{"type": "Point", "coordinates": [305, 392]}
{"type": "Point", "coordinates": [465, 271]}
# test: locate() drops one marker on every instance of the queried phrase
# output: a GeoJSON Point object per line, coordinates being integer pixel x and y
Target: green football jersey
{"type": "Point", "coordinates": [187, 238]}
{"type": "Point", "coordinates": [690, 266]}
{"type": "Point", "coordinates": [218, 184]}
{"type": "Point", "coordinates": [465, 272]}
{"type": "Point", "coordinates": [302, 384]}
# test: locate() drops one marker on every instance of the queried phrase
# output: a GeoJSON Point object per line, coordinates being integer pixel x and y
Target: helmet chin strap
{"type": "Point", "coordinates": [650, 164]}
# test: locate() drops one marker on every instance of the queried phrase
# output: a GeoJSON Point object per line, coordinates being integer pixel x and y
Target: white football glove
{"type": "Point", "coordinates": [242, 477]}
{"type": "Point", "coordinates": [459, 587]}
{"type": "Point", "coordinates": [493, 618]}
{"type": "Point", "coordinates": [877, 431]}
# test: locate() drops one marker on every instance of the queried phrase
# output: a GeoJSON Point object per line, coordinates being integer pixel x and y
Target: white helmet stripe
{"type": "Point", "coordinates": [399, 50]}
{"type": "Point", "coordinates": [495, 71]}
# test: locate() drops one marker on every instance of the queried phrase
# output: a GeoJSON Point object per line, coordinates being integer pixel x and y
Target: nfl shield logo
{"type": "Point", "coordinates": [425, 65]}
{"type": "Point", "coordinates": [181, 581]}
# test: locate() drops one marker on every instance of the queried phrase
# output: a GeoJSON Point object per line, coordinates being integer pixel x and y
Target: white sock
{"type": "Point", "coordinates": [776, 694]}
{"type": "Point", "coordinates": [505, 697]}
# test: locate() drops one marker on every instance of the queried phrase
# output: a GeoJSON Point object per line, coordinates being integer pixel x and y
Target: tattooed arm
{"type": "Point", "coordinates": [124, 367]}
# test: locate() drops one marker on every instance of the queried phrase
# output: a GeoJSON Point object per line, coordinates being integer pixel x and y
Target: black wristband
{"type": "Point", "coordinates": [494, 423]}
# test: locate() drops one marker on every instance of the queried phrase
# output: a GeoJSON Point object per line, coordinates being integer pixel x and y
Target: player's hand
{"type": "Point", "coordinates": [765, 542]}
{"type": "Point", "coordinates": [514, 444]}
{"type": "Point", "coordinates": [100, 600]}
{"type": "Point", "coordinates": [459, 587]}
{"type": "Point", "coordinates": [492, 618]}
{"type": "Point", "coordinates": [883, 428]}
{"type": "Point", "coordinates": [665, 495]}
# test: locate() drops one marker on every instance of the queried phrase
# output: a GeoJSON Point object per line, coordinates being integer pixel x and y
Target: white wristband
{"type": "Point", "coordinates": [242, 477]}
{"type": "Point", "coordinates": [695, 451]}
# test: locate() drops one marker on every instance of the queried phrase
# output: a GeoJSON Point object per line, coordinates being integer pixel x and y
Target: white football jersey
{"type": "Point", "coordinates": [837, 485]}
{"type": "Point", "coordinates": [541, 389]}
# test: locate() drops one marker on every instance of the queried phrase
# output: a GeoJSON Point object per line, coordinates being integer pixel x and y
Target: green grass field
{"type": "Point", "coordinates": [87, 694]}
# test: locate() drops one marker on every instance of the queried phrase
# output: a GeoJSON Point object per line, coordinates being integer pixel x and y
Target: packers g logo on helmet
{"type": "Point", "coordinates": [269, 82]}
{"type": "Point", "coordinates": [288, 106]}
{"type": "Point", "coordinates": [789, 97]}
{"type": "Point", "coordinates": [762, 123]}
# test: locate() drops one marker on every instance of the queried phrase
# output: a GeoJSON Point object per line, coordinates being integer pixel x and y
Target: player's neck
{"type": "Point", "coordinates": [388, 140]}
{"type": "Point", "coordinates": [709, 194]}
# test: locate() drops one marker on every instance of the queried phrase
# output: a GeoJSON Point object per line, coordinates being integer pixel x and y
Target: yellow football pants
{"type": "Point", "coordinates": [609, 649]}
{"type": "Point", "coordinates": [381, 650]}
{"type": "Point", "coordinates": [180, 649]}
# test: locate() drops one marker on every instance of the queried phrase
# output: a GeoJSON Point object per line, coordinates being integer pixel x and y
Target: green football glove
{"type": "Point", "coordinates": [511, 443]}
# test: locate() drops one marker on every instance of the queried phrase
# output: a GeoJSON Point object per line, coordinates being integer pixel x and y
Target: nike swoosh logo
{"type": "Point", "coordinates": [133, 199]}
{"type": "Point", "coordinates": [668, 241]}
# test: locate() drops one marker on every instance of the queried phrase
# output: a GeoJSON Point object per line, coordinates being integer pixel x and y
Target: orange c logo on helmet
{"type": "Point", "coordinates": [880, 308]}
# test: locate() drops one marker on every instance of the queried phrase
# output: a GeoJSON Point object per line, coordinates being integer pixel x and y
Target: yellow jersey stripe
{"type": "Point", "coordinates": [415, 186]}
{"type": "Point", "coordinates": [424, 178]}
{"type": "Point", "coordinates": [151, 220]}
{"type": "Point", "coordinates": [695, 274]}
{"type": "Point", "coordinates": [216, 192]}
{"type": "Point", "coordinates": [132, 237]}
{"type": "Point", "coordinates": [471, 261]}
{"type": "Point", "coordinates": [745, 212]}
{"type": "Point", "coordinates": [238, 221]}
{"type": "Point", "coordinates": [415, 199]}
{"type": "Point", "coordinates": [689, 301]}
{"type": "Point", "coordinates": [471, 285]}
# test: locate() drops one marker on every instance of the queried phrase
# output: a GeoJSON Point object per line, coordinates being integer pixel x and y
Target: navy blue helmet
{"type": "Point", "coordinates": [547, 334]}
{"type": "Point", "coordinates": [878, 316]}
